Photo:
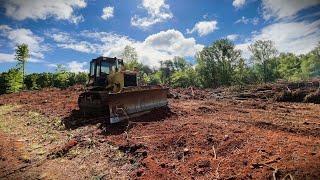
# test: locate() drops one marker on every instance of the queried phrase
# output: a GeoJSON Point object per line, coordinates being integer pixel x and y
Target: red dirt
{"type": "Point", "coordinates": [51, 102]}
{"type": "Point", "coordinates": [210, 136]}
{"type": "Point", "coordinates": [11, 157]}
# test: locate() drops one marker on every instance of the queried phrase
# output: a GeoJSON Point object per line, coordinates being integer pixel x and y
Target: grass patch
{"type": "Point", "coordinates": [5, 119]}
{"type": "Point", "coordinates": [38, 131]}
{"type": "Point", "coordinates": [4, 109]}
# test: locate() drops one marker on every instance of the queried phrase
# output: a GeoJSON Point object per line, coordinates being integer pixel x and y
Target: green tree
{"type": "Point", "coordinates": [2, 83]}
{"type": "Point", "coordinates": [180, 63]}
{"type": "Point", "coordinates": [240, 73]}
{"type": "Point", "coordinates": [22, 55]}
{"type": "Point", "coordinates": [130, 57]}
{"type": "Point", "coordinates": [45, 80]}
{"type": "Point", "coordinates": [289, 66]}
{"type": "Point", "coordinates": [71, 78]}
{"type": "Point", "coordinates": [155, 78]}
{"type": "Point", "coordinates": [207, 68]}
{"type": "Point", "coordinates": [217, 62]}
{"type": "Point", "coordinates": [31, 81]}
{"type": "Point", "coordinates": [60, 78]}
{"type": "Point", "coordinates": [262, 53]}
{"type": "Point", "coordinates": [184, 78]}
{"type": "Point", "coordinates": [13, 80]}
{"type": "Point", "coordinates": [82, 78]}
{"type": "Point", "coordinates": [166, 69]}
{"type": "Point", "coordinates": [310, 63]}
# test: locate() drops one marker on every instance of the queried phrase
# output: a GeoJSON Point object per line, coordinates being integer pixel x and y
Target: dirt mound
{"type": "Point", "coordinates": [291, 96]}
{"type": "Point", "coordinates": [281, 91]}
{"type": "Point", "coordinates": [299, 96]}
{"type": "Point", "coordinates": [313, 97]}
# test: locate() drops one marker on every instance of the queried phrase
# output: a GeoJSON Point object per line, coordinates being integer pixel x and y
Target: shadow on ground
{"type": "Point", "coordinates": [77, 119]}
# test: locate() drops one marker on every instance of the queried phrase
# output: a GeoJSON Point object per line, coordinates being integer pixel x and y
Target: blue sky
{"type": "Point", "coordinates": [72, 32]}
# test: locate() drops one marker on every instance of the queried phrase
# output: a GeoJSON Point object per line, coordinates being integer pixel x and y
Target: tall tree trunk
{"type": "Point", "coordinates": [23, 74]}
{"type": "Point", "coordinates": [264, 72]}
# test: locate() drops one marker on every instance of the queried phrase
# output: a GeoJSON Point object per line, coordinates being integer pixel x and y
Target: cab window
{"type": "Point", "coordinates": [92, 64]}
{"type": "Point", "coordinates": [105, 67]}
{"type": "Point", "coordinates": [98, 70]}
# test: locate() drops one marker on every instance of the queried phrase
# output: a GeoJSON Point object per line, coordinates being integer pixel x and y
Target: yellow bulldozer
{"type": "Point", "coordinates": [115, 92]}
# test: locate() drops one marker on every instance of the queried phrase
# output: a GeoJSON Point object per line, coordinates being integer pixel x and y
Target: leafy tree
{"type": "Point", "coordinates": [71, 78]}
{"type": "Point", "coordinates": [207, 68]}
{"type": "Point", "coordinates": [262, 52]}
{"type": "Point", "coordinates": [180, 63]}
{"type": "Point", "coordinates": [145, 79]}
{"type": "Point", "coordinates": [240, 73]}
{"type": "Point", "coordinates": [184, 78]}
{"type": "Point", "coordinates": [13, 80]}
{"type": "Point", "coordinates": [2, 83]}
{"type": "Point", "coordinates": [31, 81]}
{"type": "Point", "coordinates": [155, 78]}
{"type": "Point", "coordinates": [45, 80]}
{"type": "Point", "coordinates": [289, 66]}
{"type": "Point", "coordinates": [130, 57]}
{"type": "Point", "coordinates": [22, 54]}
{"type": "Point", "coordinates": [166, 69]}
{"type": "Point", "coordinates": [216, 63]}
{"type": "Point", "coordinates": [60, 78]}
{"type": "Point", "coordinates": [310, 65]}
{"type": "Point", "coordinates": [82, 78]}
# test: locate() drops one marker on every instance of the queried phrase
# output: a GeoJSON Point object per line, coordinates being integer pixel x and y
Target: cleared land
{"type": "Point", "coordinates": [205, 134]}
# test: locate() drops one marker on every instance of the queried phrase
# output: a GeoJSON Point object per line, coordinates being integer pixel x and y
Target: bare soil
{"type": "Point", "coordinates": [204, 134]}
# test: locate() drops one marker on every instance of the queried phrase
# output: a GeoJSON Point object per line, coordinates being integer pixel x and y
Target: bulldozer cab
{"type": "Point", "coordinates": [106, 72]}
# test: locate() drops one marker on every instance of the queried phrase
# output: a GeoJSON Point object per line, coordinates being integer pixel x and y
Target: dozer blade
{"type": "Point", "coordinates": [130, 102]}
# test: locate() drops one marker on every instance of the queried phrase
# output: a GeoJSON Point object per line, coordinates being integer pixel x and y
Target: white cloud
{"type": "Point", "coordinates": [295, 37]}
{"type": "Point", "coordinates": [32, 60]}
{"type": "Point", "coordinates": [285, 8]}
{"type": "Point", "coordinates": [157, 47]}
{"type": "Point", "coordinates": [22, 35]}
{"type": "Point", "coordinates": [60, 37]}
{"type": "Point", "coordinates": [39, 9]}
{"type": "Point", "coordinates": [204, 27]}
{"type": "Point", "coordinates": [165, 45]}
{"type": "Point", "coordinates": [10, 58]}
{"type": "Point", "coordinates": [160, 46]}
{"type": "Point", "coordinates": [5, 58]}
{"type": "Point", "coordinates": [238, 3]}
{"type": "Point", "coordinates": [76, 67]}
{"type": "Point", "coordinates": [245, 20]}
{"type": "Point", "coordinates": [158, 11]}
{"type": "Point", "coordinates": [107, 13]}
{"type": "Point", "coordinates": [64, 40]}
{"type": "Point", "coordinates": [82, 46]}
{"type": "Point", "coordinates": [233, 37]}
{"type": "Point", "coordinates": [52, 65]}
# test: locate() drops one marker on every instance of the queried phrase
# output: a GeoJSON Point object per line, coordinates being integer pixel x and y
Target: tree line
{"type": "Point", "coordinates": [219, 64]}
{"type": "Point", "coordinates": [15, 80]}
